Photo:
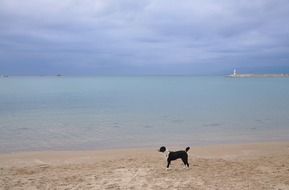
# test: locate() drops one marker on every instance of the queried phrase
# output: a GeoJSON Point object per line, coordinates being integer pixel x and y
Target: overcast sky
{"type": "Point", "coordinates": [88, 37]}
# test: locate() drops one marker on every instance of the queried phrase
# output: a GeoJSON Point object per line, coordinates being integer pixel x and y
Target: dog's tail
{"type": "Point", "coordinates": [187, 149]}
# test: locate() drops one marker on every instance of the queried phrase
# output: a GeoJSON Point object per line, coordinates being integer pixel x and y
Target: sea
{"type": "Point", "coordinates": [111, 112]}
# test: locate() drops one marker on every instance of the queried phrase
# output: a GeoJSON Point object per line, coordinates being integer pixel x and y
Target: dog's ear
{"type": "Point", "coordinates": [162, 149]}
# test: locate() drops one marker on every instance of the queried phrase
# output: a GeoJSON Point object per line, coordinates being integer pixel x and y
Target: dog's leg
{"type": "Point", "coordinates": [185, 160]}
{"type": "Point", "coordinates": [168, 165]}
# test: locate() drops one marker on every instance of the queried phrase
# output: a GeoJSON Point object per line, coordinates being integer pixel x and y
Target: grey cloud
{"type": "Point", "coordinates": [139, 36]}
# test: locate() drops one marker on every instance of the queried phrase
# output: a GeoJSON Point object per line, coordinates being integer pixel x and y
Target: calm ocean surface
{"type": "Point", "coordinates": [82, 113]}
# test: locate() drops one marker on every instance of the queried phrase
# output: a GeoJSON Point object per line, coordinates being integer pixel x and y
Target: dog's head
{"type": "Point", "coordinates": [162, 149]}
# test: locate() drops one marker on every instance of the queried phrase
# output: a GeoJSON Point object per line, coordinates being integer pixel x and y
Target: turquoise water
{"type": "Point", "coordinates": [80, 113]}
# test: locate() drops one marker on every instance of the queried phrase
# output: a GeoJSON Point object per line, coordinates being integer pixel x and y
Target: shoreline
{"type": "Point", "coordinates": [139, 148]}
{"type": "Point", "coordinates": [231, 166]}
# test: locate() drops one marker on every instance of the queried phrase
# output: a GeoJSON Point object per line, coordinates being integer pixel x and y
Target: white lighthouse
{"type": "Point", "coordinates": [234, 72]}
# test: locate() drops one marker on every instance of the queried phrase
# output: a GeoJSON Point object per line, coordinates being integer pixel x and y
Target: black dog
{"type": "Point", "coordinates": [176, 155]}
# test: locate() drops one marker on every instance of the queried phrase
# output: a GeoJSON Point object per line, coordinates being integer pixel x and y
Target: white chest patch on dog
{"type": "Point", "coordinates": [166, 153]}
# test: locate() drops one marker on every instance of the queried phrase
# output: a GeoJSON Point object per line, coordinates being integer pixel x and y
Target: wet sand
{"type": "Point", "coordinates": [242, 166]}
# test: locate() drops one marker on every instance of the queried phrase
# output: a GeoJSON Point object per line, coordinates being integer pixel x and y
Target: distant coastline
{"type": "Point", "coordinates": [259, 76]}
{"type": "Point", "coordinates": [252, 75]}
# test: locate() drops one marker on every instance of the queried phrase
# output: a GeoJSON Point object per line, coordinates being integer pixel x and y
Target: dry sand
{"type": "Point", "coordinates": [251, 166]}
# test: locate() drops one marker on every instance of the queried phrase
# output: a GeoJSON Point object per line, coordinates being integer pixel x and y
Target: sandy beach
{"type": "Point", "coordinates": [242, 166]}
